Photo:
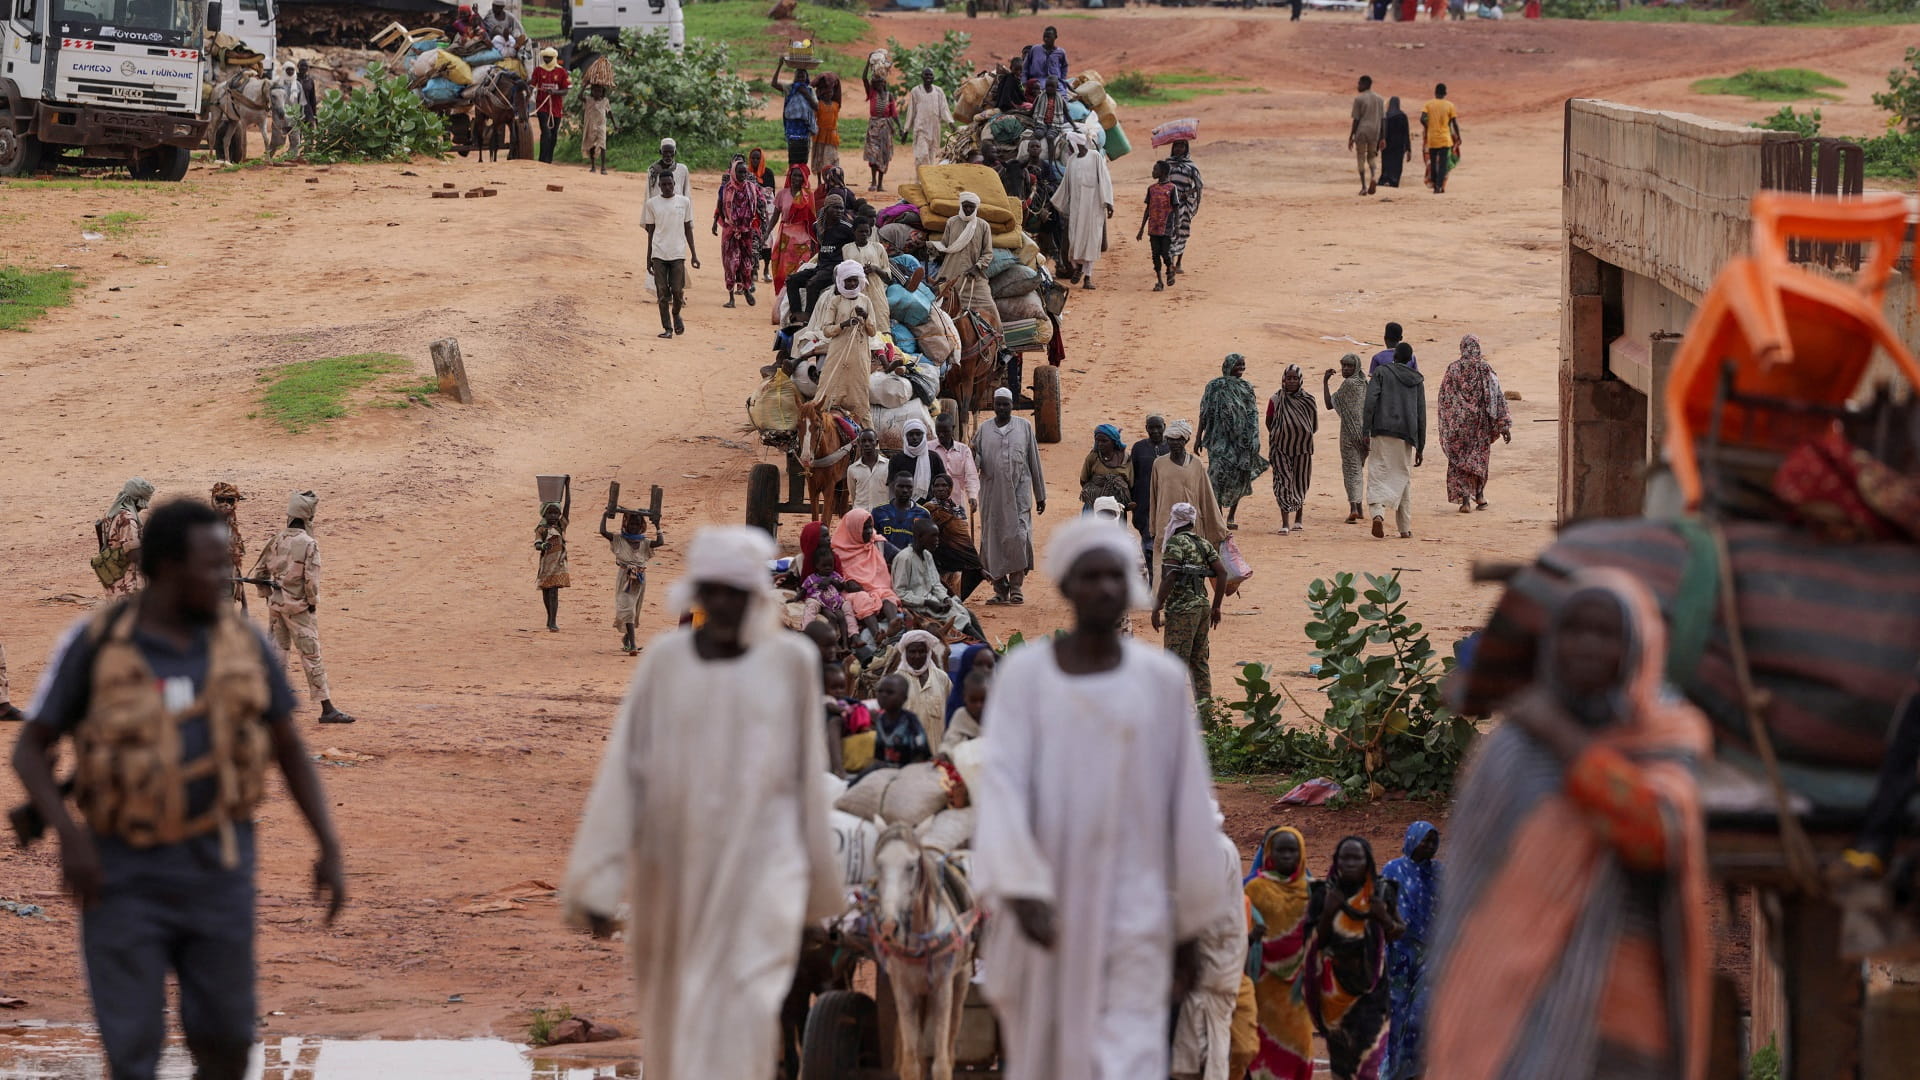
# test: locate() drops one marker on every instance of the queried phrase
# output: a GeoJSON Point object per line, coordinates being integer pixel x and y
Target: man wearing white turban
{"type": "Point", "coordinates": [709, 817]}
{"type": "Point", "coordinates": [1179, 477]}
{"type": "Point", "coordinates": [848, 320]}
{"type": "Point", "coordinates": [966, 249]}
{"type": "Point", "coordinates": [1096, 846]}
{"type": "Point", "coordinates": [1012, 487]}
{"type": "Point", "coordinates": [1085, 197]}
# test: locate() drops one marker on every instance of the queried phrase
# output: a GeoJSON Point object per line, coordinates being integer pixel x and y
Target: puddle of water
{"type": "Point", "coordinates": [41, 1052]}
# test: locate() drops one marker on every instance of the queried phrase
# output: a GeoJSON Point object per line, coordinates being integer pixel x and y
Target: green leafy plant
{"type": "Point", "coordinates": [1893, 156]}
{"type": "Point", "coordinates": [1574, 9]}
{"type": "Point", "coordinates": [947, 58]}
{"type": "Point", "coordinates": [381, 121]}
{"type": "Point", "coordinates": [1894, 7]}
{"type": "Point", "coordinates": [1902, 95]}
{"type": "Point", "coordinates": [691, 96]}
{"type": "Point", "coordinates": [541, 1023]}
{"type": "Point", "coordinates": [1806, 125]}
{"type": "Point", "coordinates": [1787, 11]}
{"type": "Point", "coordinates": [1765, 1063]}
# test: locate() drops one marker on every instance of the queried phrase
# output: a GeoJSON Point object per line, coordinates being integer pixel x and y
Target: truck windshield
{"type": "Point", "coordinates": [175, 18]}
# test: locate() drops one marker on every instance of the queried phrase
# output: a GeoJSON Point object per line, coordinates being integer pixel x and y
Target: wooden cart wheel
{"type": "Point", "coordinates": [1046, 403]}
{"type": "Point", "coordinates": [763, 498]}
{"type": "Point", "coordinates": [842, 1036]}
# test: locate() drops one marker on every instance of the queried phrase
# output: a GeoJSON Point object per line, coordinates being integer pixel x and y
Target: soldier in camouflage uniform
{"type": "Point", "coordinates": [226, 500]}
{"type": "Point", "coordinates": [120, 531]}
{"type": "Point", "coordinates": [292, 558]}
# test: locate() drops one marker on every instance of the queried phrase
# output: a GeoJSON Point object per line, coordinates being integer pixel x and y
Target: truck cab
{"type": "Point", "coordinates": [252, 23]}
{"type": "Point", "coordinates": [102, 82]}
{"type": "Point", "coordinates": [582, 19]}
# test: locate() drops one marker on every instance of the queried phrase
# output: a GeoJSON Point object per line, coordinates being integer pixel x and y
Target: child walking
{"type": "Point", "coordinates": [550, 540]}
{"type": "Point", "coordinates": [1163, 199]}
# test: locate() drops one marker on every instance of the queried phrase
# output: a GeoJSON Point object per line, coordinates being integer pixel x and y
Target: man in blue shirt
{"type": "Point", "coordinates": [1046, 59]}
{"type": "Point", "coordinates": [1385, 356]}
{"type": "Point", "coordinates": [893, 522]}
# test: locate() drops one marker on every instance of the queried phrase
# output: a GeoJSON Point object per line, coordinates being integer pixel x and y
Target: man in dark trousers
{"type": "Point", "coordinates": [162, 863]}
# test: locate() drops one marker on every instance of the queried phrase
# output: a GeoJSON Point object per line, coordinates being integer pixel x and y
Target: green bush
{"type": "Point", "coordinates": [1786, 11]}
{"type": "Point", "coordinates": [1384, 728]}
{"type": "Point", "coordinates": [1806, 125]}
{"type": "Point", "coordinates": [1765, 1063]}
{"type": "Point", "coordinates": [1893, 156]}
{"type": "Point", "coordinates": [1894, 7]}
{"type": "Point", "coordinates": [946, 57]}
{"type": "Point", "coordinates": [1574, 9]}
{"type": "Point", "coordinates": [1902, 96]}
{"type": "Point", "coordinates": [381, 121]}
{"type": "Point", "coordinates": [691, 96]}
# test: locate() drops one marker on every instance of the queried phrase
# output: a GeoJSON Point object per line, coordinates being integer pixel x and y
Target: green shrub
{"type": "Point", "coordinates": [1787, 11]}
{"type": "Point", "coordinates": [1893, 156]}
{"type": "Point", "coordinates": [947, 58]}
{"type": "Point", "coordinates": [1806, 125]}
{"type": "Point", "coordinates": [1575, 9]}
{"type": "Point", "coordinates": [381, 121]}
{"type": "Point", "coordinates": [1894, 7]}
{"type": "Point", "coordinates": [1902, 96]}
{"type": "Point", "coordinates": [691, 96]}
{"type": "Point", "coordinates": [1765, 1063]}
{"type": "Point", "coordinates": [541, 1022]}
{"type": "Point", "coordinates": [1384, 727]}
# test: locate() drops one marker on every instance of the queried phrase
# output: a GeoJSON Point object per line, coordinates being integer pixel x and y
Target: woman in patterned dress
{"type": "Point", "coordinates": [1281, 892]}
{"type": "Point", "coordinates": [737, 218]}
{"type": "Point", "coordinates": [1350, 404]}
{"type": "Point", "coordinates": [1347, 991]}
{"type": "Point", "coordinates": [792, 243]}
{"type": "Point", "coordinates": [1229, 434]}
{"type": "Point", "coordinates": [881, 111]}
{"type": "Point", "coordinates": [1473, 413]}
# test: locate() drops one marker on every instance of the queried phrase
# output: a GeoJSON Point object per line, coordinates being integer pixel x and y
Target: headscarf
{"type": "Point", "coordinates": [735, 556]}
{"type": "Point", "coordinates": [957, 697]}
{"type": "Point", "coordinates": [850, 279]}
{"type": "Point", "coordinates": [1182, 514]}
{"type": "Point", "coordinates": [544, 507]}
{"type": "Point", "coordinates": [899, 238]}
{"type": "Point", "coordinates": [1393, 105]}
{"type": "Point", "coordinates": [860, 560]}
{"type": "Point", "coordinates": [1535, 894]}
{"type": "Point", "coordinates": [810, 535]}
{"type": "Point", "coordinates": [1419, 884]}
{"type": "Point", "coordinates": [1292, 369]}
{"type": "Point", "coordinates": [1295, 886]}
{"type": "Point", "coordinates": [922, 461]}
{"type": "Point", "coordinates": [1085, 535]}
{"type": "Point", "coordinates": [224, 490]}
{"type": "Point", "coordinates": [301, 506]}
{"type": "Point", "coordinates": [970, 221]}
{"type": "Point", "coordinates": [968, 198]}
{"type": "Point", "coordinates": [1232, 358]}
{"type": "Point", "coordinates": [1107, 504]}
{"type": "Point", "coordinates": [134, 495]}
{"type": "Point", "coordinates": [1180, 429]}
{"type": "Point", "coordinates": [936, 652]}
{"type": "Point", "coordinates": [1359, 366]}
{"type": "Point", "coordinates": [549, 58]}
{"type": "Point", "coordinates": [759, 156]}
{"type": "Point", "coordinates": [1111, 431]}
{"type": "Point", "coordinates": [827, 87]}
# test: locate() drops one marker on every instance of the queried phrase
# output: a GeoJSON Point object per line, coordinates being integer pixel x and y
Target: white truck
{"type": "Point", "coordinates": [582, 19]}
{"type": "Point", "coordinates": [99, 82]}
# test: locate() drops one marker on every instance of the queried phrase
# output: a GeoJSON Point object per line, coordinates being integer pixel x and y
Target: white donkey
{"type": "Point", "coordinates": [241, 103]}
{"type": "Point", "coordinates": [922, 920]}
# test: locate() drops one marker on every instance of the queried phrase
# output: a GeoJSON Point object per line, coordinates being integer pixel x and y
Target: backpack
{"type": "Point", "coordinates": [109, 564]}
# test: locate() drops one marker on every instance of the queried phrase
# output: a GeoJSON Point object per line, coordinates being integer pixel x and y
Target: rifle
{"type": "Point", "coordinates": [265, 583]}
{"type": "Point", "coordinates": [26, 821]}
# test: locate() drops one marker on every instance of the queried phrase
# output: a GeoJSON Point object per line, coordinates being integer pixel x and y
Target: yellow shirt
{"type": "Point", "coordinates": [1440, 114]}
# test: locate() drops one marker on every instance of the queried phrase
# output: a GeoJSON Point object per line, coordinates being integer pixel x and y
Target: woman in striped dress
{"type": "Point", "coordinates": [1184, 175]}
{"type": "Point", "coordinates": [1292, 419]}
{"type": "Point", "coordinates": [881, 111]}
{"type": "Point", "coordinates": [1281, 891]}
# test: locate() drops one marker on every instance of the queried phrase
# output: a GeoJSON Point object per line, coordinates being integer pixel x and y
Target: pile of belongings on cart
{"type": "Point", "coordinates": [444, 78]}
{"type": "Point", "coordinates": [1015, 134]}
{"type": "Point", "coordinates": [920, 342]}
{"type": "Point", "coordinates": [934, 797]}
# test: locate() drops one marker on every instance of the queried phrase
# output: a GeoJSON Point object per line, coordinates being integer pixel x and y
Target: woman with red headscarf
{"type": "Point", "coordinates": [791, 240]}
{"type": "Point", "coordinates": [738, 220]}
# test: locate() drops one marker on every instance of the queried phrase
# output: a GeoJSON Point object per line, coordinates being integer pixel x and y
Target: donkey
{"type": "Point", "coordinates": [923, 917]}
{"type": "Point", "coordinates": [241, 103]}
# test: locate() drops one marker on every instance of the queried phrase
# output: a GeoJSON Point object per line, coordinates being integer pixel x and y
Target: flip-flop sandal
{"type": "Point", "coordinates": [1283, 530]}
{"type": "Point", "coordinates": [1481, 505]}
{"type": "Point", "coordinates": [1016, 597]}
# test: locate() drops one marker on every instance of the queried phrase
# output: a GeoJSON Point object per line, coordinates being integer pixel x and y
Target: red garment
{"type": "Point", "coordinates": [1436, 9]}
{"type": "Point", "coordinates": [1409, 10]}
{"type": "Point", "coordinates": [1531, 11]}
{"type": "Point", "coordinates": [550, 86]}
{"type": "Point", "coordinates": [1160, 200]}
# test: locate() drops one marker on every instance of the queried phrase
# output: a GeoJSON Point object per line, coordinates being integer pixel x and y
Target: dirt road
{"type": "Point", "coordinates": [484, 729]}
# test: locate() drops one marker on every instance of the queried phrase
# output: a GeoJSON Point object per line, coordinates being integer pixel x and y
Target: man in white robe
{"type": "Point", "coordinates": [927, 118]}
{"type": "Point", "coordinates": [1085, 197]}
{"type": "Point", "coordinates": [1012, 488]}
{"type": "Point", "coordinates": [709, 814]}
{"type": "Point", "coordinates": [1096, 850]}
{"type": "Point", "coordinates": [1203, 1034]}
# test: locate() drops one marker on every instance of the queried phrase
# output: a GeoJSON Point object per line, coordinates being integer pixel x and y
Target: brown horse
{"type": "Point", "coordinates": [500, 106]}
{"type": "Point", "coordinates": [820, 436]}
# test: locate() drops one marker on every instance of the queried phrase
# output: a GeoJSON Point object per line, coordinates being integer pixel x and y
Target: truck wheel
{"type": "Point", "coordinates": [168, 163]}
{"type": "Point", "coordinates": [1046, 403]}
{"type": "Point", "coordinates": [763, 498]}
{"type": "Point", "coordinates": [19, 152]}
{"type": "Point", "coordinates": [842, 1036]}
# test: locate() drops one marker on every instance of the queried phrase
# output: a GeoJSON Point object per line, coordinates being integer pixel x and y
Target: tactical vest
{"type": "Point", "coordinates": [130, 781]}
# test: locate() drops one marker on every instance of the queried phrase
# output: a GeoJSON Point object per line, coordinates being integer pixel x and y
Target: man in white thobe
{"type": "Point", "coordinates": [927, 118]}
{"type": "Point", "coordinates": [1085, 196]}
{"type": "Point", "coordinates": [1096, 850]}
{"type": "Point", "coordinates": [709, 813]}
{"type": "Point", "coordinates": [1203, 1033]}
{"type": "Point", "coordinates": [1012, 488]}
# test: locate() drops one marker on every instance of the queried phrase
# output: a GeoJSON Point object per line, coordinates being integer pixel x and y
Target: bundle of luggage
{"type": "Point", "coordinates": [1009, 129]}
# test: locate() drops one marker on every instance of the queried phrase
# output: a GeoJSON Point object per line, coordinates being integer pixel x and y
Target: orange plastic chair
{"type": "Point", "coordinates": [1793, 336]}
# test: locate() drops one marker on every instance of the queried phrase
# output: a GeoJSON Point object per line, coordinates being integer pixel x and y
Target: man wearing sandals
{"type": "Point", "coordinates": [1011, 489]}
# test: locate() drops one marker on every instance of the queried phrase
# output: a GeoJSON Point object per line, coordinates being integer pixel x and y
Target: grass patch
{"type": "Point", "coordinates": [541, 1023]}
{"type": "Point", "coordinates": [541, 27]}
{"type": "Point", "coordinates": [26, 295]}
{"type": "Point", "coordinates": [92, 184]}
{"type": "Point", "coordinates": [1138, 88]}
{"type": "Point", "coordinates": [756, 43]}
{"type": "Point", "coordinates": [634, 155]}
{"type": "Point", "coordinates": [311, 392]}
{"type": "Point", "coordinates": [1778, 84]}
{"type": "Point", "coordinates": [115, 225]}
{"type": "Point", "coordinates": [1829, 17]}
